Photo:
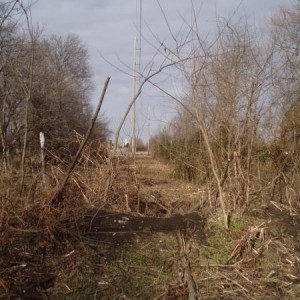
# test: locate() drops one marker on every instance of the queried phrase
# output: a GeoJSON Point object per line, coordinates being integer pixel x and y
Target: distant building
{"type": "Point", "coordinates": [126, 143]}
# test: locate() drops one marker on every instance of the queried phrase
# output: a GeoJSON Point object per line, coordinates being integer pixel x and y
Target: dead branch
{"type": "Point", "coordinates": [57, 197]}
{"type": "Point", "coordinates": [187, 272]}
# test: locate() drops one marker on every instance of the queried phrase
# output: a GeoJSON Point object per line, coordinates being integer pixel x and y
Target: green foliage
{"type": "Point", "coordinates": [220, 244]}
{"type": "Point", "coordinates": [269, 262]}
{"type": "Point", "coordinates": [81, 290]}
{"type": "Point", "coordinates": [186, 154]}
{"type": "Point", "coordinates": [162, 147]}
{"type": "Point", "coordinates": [237, 222]}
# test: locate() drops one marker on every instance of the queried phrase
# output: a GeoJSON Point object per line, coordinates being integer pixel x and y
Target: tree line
{"type": "Point", "coordinates": [237, 127]}
{"type": "Point", "coordinates": [45, 86]}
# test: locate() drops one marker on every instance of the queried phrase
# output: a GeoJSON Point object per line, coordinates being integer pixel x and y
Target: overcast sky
{"type": "Point", "coordinates": [109, 27]}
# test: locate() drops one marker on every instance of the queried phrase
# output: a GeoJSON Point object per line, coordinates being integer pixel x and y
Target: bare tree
{"type": "Point", "coordinates": [7, 34]}
{"type": "Point", "coordinates": [27, 87]}
{"type": "Point", "coordinates": [286, 36]}
{"type": "Point", "coordinates": [227, 82]}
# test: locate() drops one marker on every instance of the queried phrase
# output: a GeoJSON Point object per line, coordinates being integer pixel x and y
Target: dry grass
{"type": "Point", "coordinates": [44, 249]}
{"type": "Point", "coordinates": [33, 234]}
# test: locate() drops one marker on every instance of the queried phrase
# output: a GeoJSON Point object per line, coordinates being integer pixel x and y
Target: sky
{"type": "Point", "coordinates": [108, 28]}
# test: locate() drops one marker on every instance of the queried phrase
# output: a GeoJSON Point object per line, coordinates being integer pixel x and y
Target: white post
{"type": "Point", "coordinates": [42, 142]}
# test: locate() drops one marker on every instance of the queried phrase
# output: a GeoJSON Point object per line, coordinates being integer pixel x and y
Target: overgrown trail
{"type": "Point", "coordinates": [256, 259]}
{"type": "Point", "coordinates": [143, 245]}
{"type": "Point", "coordinates": [152, 183]}
{"type": "Point", "coordinates": [253, 260]}
{"type": "Point", "coordinates": [146, 250]}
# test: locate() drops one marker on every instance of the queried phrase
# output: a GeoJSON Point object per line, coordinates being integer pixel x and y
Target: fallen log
{"type": "Point", "coordinates": [106, 222]}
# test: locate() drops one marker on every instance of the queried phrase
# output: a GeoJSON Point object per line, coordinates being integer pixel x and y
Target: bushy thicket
{"type": "Point", "coordinates": [240, 115]}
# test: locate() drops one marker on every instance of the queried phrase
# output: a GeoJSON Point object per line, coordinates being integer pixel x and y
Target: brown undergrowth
{"type": "Point", "coordinates": [34, 237]}
{"type": "Point", "coordinates": [105, 241]}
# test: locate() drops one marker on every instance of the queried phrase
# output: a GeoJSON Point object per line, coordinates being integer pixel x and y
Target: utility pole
{"type": "Point", "coordinates": [133, 138]}
{"type": "Point", "coordinates": [148, 135]}
{"type": "Point", "coordinates": [134, 77]}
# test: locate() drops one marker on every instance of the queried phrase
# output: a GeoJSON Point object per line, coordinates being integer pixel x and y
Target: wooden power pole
{"type": "Point", "coordinates": [133, 138]}
{"type": "Point", "coordinates": [148, 146]}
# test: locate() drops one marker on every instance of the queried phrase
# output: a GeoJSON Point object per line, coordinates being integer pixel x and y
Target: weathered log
{"type": "Point", "coordinates": [105, 222]}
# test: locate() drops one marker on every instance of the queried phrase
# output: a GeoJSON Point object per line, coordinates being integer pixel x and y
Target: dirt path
{"type": "Point", "coordinates": [140, 254]}
{"type": "Point", "coordinates": [153, 203]}
{"type": "Point", "coordinates": [150, 182]}
{"type": "Point", "coordinates": [263, 242]}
